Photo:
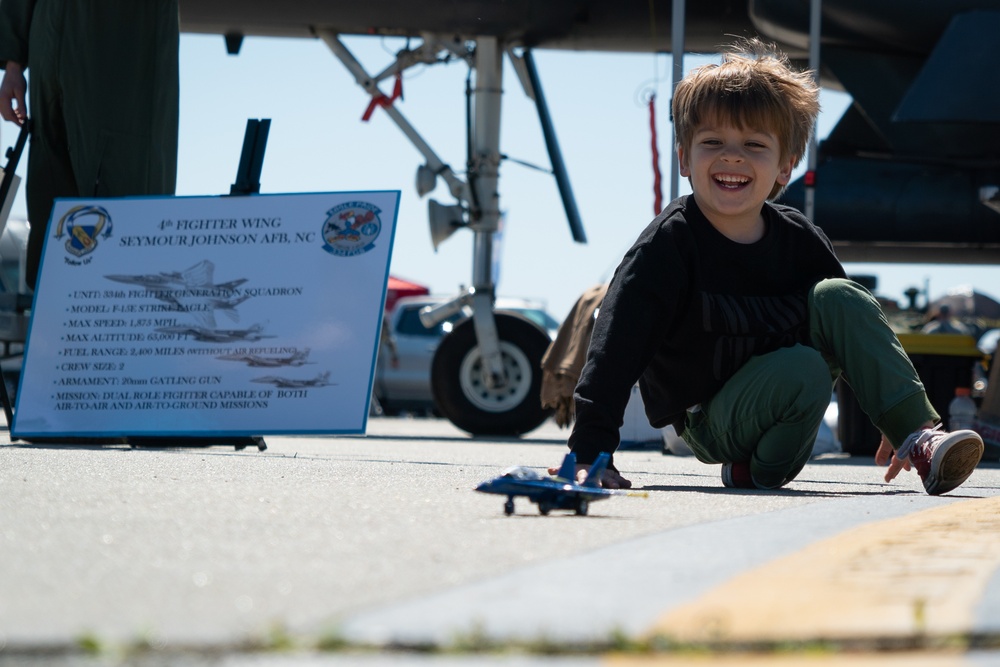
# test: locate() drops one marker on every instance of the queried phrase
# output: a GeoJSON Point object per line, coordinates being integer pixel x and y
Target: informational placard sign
{"type": "Point", "coordinates": [206, 316]}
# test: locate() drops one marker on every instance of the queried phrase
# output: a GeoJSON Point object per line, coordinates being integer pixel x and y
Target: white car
{"type": "Point", "coordinates": [404, 384]}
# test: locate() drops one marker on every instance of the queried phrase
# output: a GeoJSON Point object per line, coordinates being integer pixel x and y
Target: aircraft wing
{"type": "Point", "coordinates": [567, 24]}
{"type": "Point", "coordinates": [591, 24]}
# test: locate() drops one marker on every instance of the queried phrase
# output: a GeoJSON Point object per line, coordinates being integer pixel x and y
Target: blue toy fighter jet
{"type": "Point", "coordinates": [552, 493]}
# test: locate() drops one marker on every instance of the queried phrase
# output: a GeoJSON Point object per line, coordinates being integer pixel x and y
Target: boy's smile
{"type": "Point", "coordinates": [733, 171]}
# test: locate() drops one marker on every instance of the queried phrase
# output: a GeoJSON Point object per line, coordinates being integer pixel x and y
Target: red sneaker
{"type": "Point", "coordinates": [737, 476]}
{"type": "Point", "coordinates": [943, 460]}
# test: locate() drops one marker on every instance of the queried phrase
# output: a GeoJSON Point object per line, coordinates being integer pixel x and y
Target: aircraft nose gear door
{"type": "Point", "coordinates": [486, 374]}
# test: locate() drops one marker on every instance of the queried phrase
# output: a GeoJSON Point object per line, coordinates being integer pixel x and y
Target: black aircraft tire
{"type": "Point", "coordinates": [465, 400]}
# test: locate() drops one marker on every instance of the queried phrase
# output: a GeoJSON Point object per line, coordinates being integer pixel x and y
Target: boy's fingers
{"type": "Point", "coordinates": [895, 465]}
{"type": "Point", "coordinates": [884, 452]}
{"type": "Point", "coordinates": [609, 480]}
{"type": "Point", "coordinates": [581, 472]}
{"type": "Point", "coordinates": [612, 480]}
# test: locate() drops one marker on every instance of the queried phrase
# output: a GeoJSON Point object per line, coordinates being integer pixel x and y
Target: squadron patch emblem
{"type": "Point", "coordinates": [83, 227]}
{"type": "Point", "coordinates": [351, 228]}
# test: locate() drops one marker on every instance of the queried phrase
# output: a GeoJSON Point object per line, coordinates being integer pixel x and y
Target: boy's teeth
{"type": "Point", "coordinates": [731, 179]}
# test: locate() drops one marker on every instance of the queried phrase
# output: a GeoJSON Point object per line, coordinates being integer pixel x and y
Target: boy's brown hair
{"type": "Point", "coordinates": [756, 87]}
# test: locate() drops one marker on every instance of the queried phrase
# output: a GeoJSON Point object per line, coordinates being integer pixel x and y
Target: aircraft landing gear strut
{"type": "Point", "coordinates": [486, 374]}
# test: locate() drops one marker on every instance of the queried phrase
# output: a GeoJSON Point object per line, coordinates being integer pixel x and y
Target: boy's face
{"type": "Point", "coordinates": [733, 170]}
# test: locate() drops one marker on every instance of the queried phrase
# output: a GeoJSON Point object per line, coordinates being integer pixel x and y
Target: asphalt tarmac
{"type": "Point", "coordinates": [377, 551]}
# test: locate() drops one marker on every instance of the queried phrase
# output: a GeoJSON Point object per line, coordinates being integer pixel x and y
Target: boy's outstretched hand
{"type": "Point", "coordinates": [610, 479]}
{"type": "Point", "coordinates": [886, 455]}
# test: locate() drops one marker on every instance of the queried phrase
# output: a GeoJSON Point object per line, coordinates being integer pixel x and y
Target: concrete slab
{"type": "Point", "coordinates": [381, 540]}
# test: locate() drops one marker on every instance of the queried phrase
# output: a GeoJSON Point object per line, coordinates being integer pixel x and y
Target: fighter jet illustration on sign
{"type": "Point", "coordinates": [321, 380]}
{"type": "Point", "coordinates": [192, 290]}
{"type": "Point", "coordinates": [228, 306]}
{"type": "Point", "coordinates": [296, 358]}
{"type": "Point", "coordinates": [553, 493]}
{"type": "Point", "coordinates": [199, 276]}
{"type": "Point", "coordinates": [207, 335]}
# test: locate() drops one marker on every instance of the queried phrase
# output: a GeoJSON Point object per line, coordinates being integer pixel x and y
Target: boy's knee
{"type": "Point", "coordinates": [803, 360]}
{"type": "Point", "coordinates": [798, 376]}
{"type": "Point", "coordinates": [840, 294]}
{"type": "Point", "coordinates": [813, 372]}
{"type": "Point", "coordinates": [837, 288]}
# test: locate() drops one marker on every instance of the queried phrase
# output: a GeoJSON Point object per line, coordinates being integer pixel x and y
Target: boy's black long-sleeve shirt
{"type": "Point", "coordinates": [686, 308]}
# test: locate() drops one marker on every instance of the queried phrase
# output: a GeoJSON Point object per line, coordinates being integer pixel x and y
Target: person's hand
{"type": "Point", "coordinates": [12, 91]}
{"type": "Point", "coordinates": [610, 479]}
{"type": "Point", "coordinates": [885, 455]}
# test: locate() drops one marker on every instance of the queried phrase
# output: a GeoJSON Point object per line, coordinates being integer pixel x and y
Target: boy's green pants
{"type": "Point", "coordinates": [770, 411]}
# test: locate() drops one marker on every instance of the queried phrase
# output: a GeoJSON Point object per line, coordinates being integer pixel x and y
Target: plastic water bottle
{"type": "Point", "coordinates": [961, 410]}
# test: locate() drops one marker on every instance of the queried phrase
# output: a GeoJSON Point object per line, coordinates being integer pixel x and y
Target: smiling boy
{"type": "Point", "coordinates": [735, 315]}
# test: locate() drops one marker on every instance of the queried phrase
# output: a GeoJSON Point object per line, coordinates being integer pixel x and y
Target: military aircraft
{"type": "Point", "coordinates": [228, 306]}
{"type": "Point", "coordinates": [207, 335]}
{"type": "Point", "coordinates": [201, 308]}
{"type": "Point", "coordinates": [561, 492]}
{"type": "Point", "coordinates": [910, 173]}
{"type": "Point", "coordinates": [198, 277]}
{"type": "Point", "coordinates": [192, 290]}
{"type": "Point", "coordinates": [297, 358]}
{"type": "Point", "coordinates": [321, 380]}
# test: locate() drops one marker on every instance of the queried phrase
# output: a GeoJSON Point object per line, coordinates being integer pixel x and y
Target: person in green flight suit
{"type": "Point", "coordinates": [104, 91]}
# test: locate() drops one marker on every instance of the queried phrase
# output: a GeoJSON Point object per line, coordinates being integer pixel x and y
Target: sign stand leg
{"type": "Point", "coordinates": [247, 183]}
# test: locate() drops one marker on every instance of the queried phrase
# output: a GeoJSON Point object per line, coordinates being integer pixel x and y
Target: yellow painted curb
{"type": "Point", "coordinates": [920, 575]}
{"type": "Point", "coordinates": [923, 659]}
